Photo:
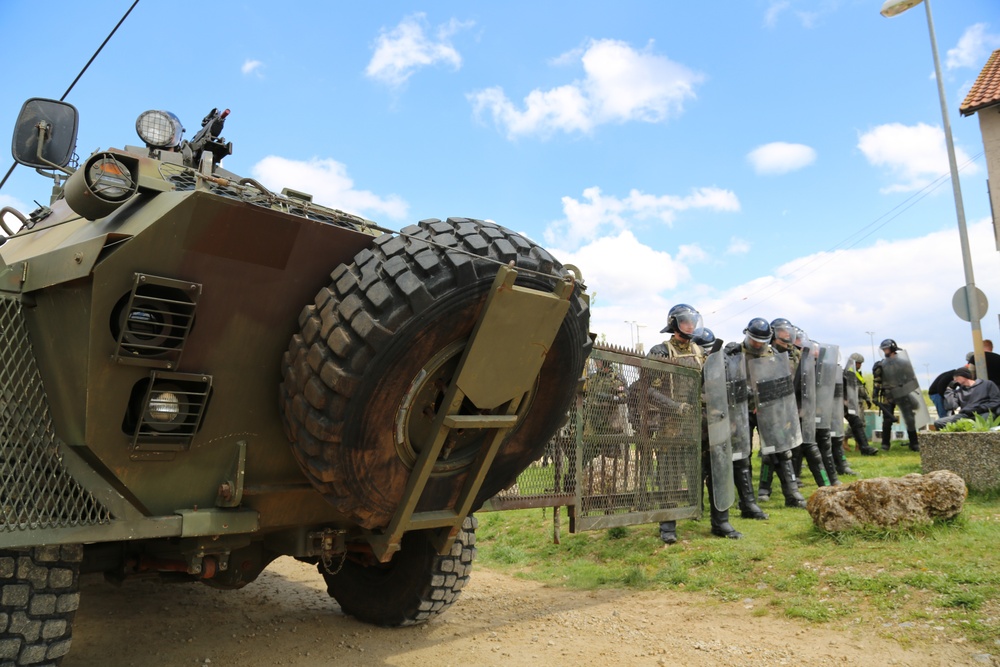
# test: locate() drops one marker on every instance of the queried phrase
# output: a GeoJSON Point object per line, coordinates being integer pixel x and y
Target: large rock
{"type": "Point", "coordinates": [888, 502]}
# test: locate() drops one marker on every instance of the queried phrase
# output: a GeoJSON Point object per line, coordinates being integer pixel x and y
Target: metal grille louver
{"type": "Point", "coordinates": [191, 394]}
{"type": "Point", "coordinates": [36, 491]}
{"type": "Point", "coordinates": [154, 324]}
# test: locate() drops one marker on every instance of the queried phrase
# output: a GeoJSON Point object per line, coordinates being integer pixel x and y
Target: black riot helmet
{"type": "Point", "coordinates": [783, 333]}
{"type": "Point", "coordinates": [705, 338]}
{"type": "Point", "coordinates": [889, 344]}
{"type": "Point", "coordinates": [758, 333]}
{"type": "Point", "coordinates": [801, 338]}
{"type": "Point", "coordinates": [683, 320]}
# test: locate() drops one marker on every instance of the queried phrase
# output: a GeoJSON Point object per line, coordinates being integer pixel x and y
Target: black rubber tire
{"type": "Point", "coordinates": [396, 310]}
{"type": "Point", "coordinates": [415, 586]}
{"type": "Point", "coordinates": [39, 596]}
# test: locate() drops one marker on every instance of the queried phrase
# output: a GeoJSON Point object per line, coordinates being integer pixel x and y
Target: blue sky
{"type": "Point", "coordinates": [773, 158]}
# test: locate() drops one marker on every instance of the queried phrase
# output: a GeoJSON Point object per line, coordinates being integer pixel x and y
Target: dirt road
{"type": "Point", "coordinates": [286, 618]}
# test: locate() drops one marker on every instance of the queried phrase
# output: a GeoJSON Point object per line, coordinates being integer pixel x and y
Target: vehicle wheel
{"type": "Point", "coordinates": [39, 595]}
{"type": "Point", "coordinates": [366, 373]}
{"type": "Point", "coordinates": [416, 585]}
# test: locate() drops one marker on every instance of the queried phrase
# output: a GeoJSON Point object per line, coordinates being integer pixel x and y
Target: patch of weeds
{"type": "Point", "coordinates": [672, 575]}
{"type": "Point", "coordinates": [617, 532]}
{"type": "Point", "coordinates": [635, 577]}
{"type": "Point", "coordinates": [811, 611]}
{"type": "Point", "coordinates": [506, 554]}
{"type": "Point", "coordinates": [854, 581]}
{"type": "Point", "coordinates": [963, 600]}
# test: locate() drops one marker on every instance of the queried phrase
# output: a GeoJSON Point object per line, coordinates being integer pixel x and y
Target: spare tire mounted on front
{"type": "Point", "coordinates": [365, 376]}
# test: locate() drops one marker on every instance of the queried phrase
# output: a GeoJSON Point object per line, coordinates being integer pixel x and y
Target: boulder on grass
{"type": "Point", "coordinates": [888, 502]}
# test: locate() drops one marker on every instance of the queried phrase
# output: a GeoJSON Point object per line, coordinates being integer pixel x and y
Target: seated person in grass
{"type": "Point", "coordinates": [973, 397]}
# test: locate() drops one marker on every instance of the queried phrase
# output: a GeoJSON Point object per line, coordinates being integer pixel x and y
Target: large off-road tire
{"type": "Point", "coordinates": [416, 585]}
{"type": "Point", "coordinates": [379, 345]}
{"type": "Point", "coordinates": [39, 595]}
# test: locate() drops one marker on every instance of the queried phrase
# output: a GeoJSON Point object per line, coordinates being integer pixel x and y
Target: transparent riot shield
{"type": "Point", "coordinates": [717, 415]}
{"type": "Point", "coordinates": [837, 418]}
{"type": "Point", "coordinates": [921, 415]}
{"type": "Point", "coordinates": [805, 382]}
{"type": "Point", "coordinates": [826, 380]}
{"type": "Point", "coordinates": [777, 414]}
{"type": "Point", "coordinates": [851, 392]}
{"type": "Point", "coordinates": [898, 378]}
{"type": "Point", "coordinates": [739, 417]}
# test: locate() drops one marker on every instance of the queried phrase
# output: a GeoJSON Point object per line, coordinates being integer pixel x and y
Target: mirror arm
{"type": "Point", "coordinates": [43, 131]}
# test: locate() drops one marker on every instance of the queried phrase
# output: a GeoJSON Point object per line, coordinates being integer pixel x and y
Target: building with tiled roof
{"type": "Point", "coordinates": [984, 101]}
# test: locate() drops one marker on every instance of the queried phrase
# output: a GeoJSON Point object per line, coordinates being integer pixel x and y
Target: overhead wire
{"type": "Point", "coordinates": [845, 244]}
{"type": "Point", "coordinates": [85, 67]}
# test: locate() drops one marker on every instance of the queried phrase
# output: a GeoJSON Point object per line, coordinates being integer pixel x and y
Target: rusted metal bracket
{"type": "Point", "coordinates": [518, 325]}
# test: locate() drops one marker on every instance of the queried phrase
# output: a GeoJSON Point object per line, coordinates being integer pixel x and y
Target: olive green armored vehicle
{"type": "Point", "coordinates": [198, 375]}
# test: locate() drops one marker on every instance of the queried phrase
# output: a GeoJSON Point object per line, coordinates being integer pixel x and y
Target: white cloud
{"type": "Point", "coordinates": [973, 48]}
{"type": "Point", "coordinates": [827, 294]}
{"type": "Point", "coordinates": [403, 50]}
{"type": "Point", "coordinates": [620, 84]}
{"type": "Point", "coordinates": [599, 213]}
{"type": "Point", "coordinates": [9, 219]}
{"type": "Point", "coordinates": [830, 296]}
{"type": "Point", "coordinates": [327, 180]}
{"type": "Point", "coordinates": [773, 11]}
{"type": "Point", "coordinates": [251, 67]}
{"type": "Point", "coordinates": [780, 157]}
{"type": "Point", "coordinates": [915, 155]}
{"type": "Point", "coordinates": [737, 246]}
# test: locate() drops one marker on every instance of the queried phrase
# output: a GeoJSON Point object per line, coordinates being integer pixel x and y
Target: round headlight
{"type": "Point", "coordinates": [164, 407]}
{"type": "Point", "coordinates": [159, 129]}
{"type": "Point", "coordinates": [110, 179]}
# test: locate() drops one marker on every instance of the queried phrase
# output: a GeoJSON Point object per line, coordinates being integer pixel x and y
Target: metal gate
{"type": "Point", "coordinates": [630, 451]}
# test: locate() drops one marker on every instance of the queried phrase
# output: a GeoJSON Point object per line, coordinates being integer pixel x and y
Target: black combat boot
{"type": "Point", "coordinates": [914, 445]}
{"type": "Point", "coordinates": [743, 474]}
{"type": "Point", "coordinates": [826, 450]}
{"type": "Point", "coordinates": [766, 477]}
{"type": "Point", "coordinates": [797, 465]}
{"type": "Point", "coordinates": [886, 431]}
{"type": "Point", "coordinates": [839, 459]}
{"type": "Point", "coordinates": [860, 437]}
{"type": "Point", "coordinates": [720, 518]}
{"type": "Point", "coordinates": [668, 532]}
{"type": "Point", "coordinates": [786, 475]}
{"type": "Point", "coordinates": [815, 461]}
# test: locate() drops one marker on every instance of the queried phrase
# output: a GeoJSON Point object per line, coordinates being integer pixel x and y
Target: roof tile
{"type": "Point", "coordinates": [985, 92]}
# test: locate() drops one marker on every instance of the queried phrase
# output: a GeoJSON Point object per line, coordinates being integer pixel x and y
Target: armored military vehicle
{"type": "Point", "coordinates": [198, 375]}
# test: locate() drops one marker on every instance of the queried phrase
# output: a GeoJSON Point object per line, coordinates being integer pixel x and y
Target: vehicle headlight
{"type": "Point", "coordinates": [164, 407]}
{"type": "Point", "coordinates": [159, 129]}
{"type": "Point", "coordinates": [110, 179]}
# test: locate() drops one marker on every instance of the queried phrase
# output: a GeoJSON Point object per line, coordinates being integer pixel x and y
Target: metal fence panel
{"type": "Point", "coordinates": [630, 451]}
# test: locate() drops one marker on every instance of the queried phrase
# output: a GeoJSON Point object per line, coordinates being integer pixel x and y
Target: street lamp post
{"type": "Point", "coordinates": [892, 8]}
{"type": "Point", "coordinates": [871, 336]}
{"type": "Point", "coordinates": [631, 323]}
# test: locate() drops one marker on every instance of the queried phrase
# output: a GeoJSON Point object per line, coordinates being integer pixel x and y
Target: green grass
{"type": "Point", "coordinates": [934, 583]}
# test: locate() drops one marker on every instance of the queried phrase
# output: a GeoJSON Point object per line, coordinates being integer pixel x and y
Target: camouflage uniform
{"type": "Point", "coordinates": [692, 355]}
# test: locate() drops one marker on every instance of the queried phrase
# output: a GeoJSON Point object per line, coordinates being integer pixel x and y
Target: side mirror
{"type": "Point", "coordinates": [53, 123]}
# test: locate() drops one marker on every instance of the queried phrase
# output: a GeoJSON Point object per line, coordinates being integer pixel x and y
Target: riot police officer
{"type": "Point", "coordinates": [757, 345]}
{"type": "Point", "coordinates": [893, 380]}
{"type": "Point", "coordinates": [683, 321]}
{"type": "Point", "coordinates": [854, 383]}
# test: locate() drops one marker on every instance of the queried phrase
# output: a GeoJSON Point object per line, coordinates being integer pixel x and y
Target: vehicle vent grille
{"type": "Point", "coordinates": [167, 410]}
{"type": "Point", "coordinates": [184, 179]}
{"type": "Point", "coordinates": [36, 490]}
{"type": "Point", "coordinates": [151, 323]}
